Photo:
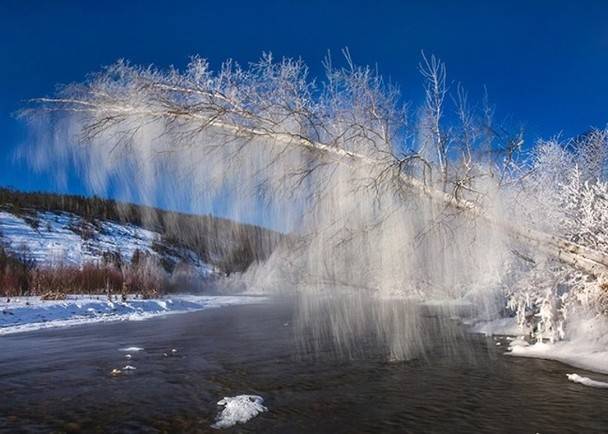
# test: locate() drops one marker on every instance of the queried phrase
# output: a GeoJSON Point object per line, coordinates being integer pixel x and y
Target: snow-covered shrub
{"type": "Point", "coordinates": [585, 208]}
{"type": "Point", "coordinates": [145, 275]}
{"type": "Point", "coordinates": [536, 297]}
{"type": "Point", "coordinates": [15, 274]}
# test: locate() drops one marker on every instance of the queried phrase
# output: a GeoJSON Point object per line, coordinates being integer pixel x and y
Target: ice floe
{"type": "Point", "coordinates": [239, 409]}
{"type": "Point", "coordinates": [575, 378]}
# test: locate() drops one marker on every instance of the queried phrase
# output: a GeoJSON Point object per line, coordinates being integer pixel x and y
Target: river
{"type": "Point", "coordinates": [58, 380]}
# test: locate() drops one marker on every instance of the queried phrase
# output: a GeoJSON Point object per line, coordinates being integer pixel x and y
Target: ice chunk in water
{"type": "Point", "coordinates": [238, 409]}
{"type": "Point", "coordinates": [131, 349]}
{"type": "Point", "coordinates": [575, 378]}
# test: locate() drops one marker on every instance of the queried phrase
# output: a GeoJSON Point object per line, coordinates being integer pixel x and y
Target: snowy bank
{"type": "Point", "coordinates": [574, 353]}
{"type": "Point", "coordinates": [239, 409]}
{"type": "Point", "coordinates": [585, 347]}
{"type": "Point", "coordinates": [501, 326]}
{"type": "Point", "coordinates": [31, 313]}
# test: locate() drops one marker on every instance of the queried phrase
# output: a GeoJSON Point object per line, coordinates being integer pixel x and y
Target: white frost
{"type": "Point", "coordinates": [238, 409]}
{"type": "Point", "coordinates": [575, 378]}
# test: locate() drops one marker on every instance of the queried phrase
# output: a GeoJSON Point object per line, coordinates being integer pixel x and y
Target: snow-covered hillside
{"type": "Point", "coordinates": [59, 238]}
{"type": "Point", "coordinates": [60, 242]}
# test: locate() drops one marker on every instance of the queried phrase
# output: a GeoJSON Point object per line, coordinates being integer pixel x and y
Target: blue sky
{"type": "Point", "coordinates": [544, 62]}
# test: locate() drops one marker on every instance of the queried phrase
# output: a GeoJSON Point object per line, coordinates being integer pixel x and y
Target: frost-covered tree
{"type": "Point", "coordinates": [565, 194]}
{"type": "Point", "coordinates": [377, 205]}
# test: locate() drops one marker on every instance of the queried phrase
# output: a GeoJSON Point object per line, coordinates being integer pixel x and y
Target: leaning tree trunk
{"type": "Point", "coordinates": [109, 111]}
{"type": "Point", "coordinates": [580, 257]}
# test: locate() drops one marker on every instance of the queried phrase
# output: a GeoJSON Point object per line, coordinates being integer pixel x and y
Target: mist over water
{"type": "Point", "coordinates": [324, 162]}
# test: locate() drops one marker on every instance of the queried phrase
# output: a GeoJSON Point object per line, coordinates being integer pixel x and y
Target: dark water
{"type": "Point", "coordinates": [59, 381]}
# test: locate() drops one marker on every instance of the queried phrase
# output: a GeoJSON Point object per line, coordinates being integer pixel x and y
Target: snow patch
{"type": "Point", "coordinates": [518, 342]}
{"type": "Point", "coordinates": [501, 326]}
{"type": "Point", "coordinates": [239, 409]}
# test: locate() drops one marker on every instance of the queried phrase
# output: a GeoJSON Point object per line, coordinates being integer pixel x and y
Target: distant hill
{"type": "Point", "coordinates": [117, 242]}
{"type": "Point", "coordinates": [229, 245]}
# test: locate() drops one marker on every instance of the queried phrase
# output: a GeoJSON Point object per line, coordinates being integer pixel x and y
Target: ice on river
{"type": "Point", "coordinates": [130, 350]}
{"type": "Point", "coordinates": [238, 409]}
{"type": "Point", "coordinates": [575, 378]}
